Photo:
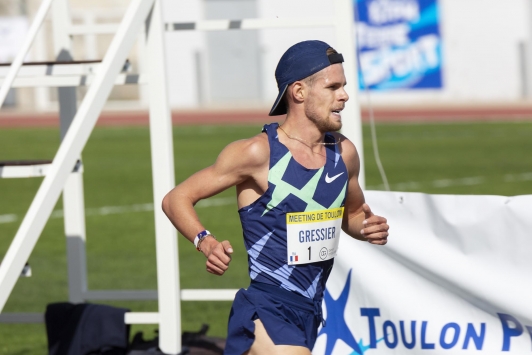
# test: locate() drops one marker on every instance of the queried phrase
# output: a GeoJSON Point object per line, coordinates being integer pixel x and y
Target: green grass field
{"type": "Point", "coordinates": [479, 158]}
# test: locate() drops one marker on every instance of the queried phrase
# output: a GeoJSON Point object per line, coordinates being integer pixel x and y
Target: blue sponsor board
{"type": "Point", "coordinates": [399, 44]}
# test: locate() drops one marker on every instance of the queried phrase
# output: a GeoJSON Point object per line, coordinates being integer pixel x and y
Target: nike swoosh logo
{"type": "Point", "coordinates": [328, 179]}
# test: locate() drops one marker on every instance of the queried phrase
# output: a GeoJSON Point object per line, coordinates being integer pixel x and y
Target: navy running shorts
{"type": "Point", "coordinates": [289, 318]}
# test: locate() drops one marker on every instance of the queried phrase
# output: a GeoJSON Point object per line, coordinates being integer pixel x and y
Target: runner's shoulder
{"type": "Point", "coordinates": [251, 151]}
{"type": "Point", "coordinates": [349, 154]}
{"type": "Point", "coordinates": [347, 148]}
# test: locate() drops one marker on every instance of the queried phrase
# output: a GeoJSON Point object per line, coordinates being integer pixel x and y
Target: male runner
{"type": "Point", "coordinates": [297, 185]}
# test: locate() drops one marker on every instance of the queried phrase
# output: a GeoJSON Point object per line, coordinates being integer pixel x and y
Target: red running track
{"type": "Point", "coordinates": [201, 117]}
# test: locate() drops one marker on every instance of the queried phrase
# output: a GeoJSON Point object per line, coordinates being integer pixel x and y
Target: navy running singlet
{"type": "Point", "coordinates": [292, 188]}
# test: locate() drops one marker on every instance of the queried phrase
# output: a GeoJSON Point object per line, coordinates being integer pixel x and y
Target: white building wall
{"type": "Point", "coordinates": [276, 42]}
{"type": "Point", "coordinates": [481, 40]}
{"type": "Point", "coordinates": [181, 49]}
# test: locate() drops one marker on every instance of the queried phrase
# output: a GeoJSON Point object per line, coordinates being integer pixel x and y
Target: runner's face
{"type": "Point", "coordinates": [327, 98]}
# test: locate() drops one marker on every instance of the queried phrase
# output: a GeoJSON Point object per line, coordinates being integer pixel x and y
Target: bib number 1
{"type": "Point", "coordinates": [313, 236]}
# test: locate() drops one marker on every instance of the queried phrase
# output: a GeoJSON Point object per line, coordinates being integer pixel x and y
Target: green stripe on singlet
{"type": "Point", "coordinates": [283, 189]}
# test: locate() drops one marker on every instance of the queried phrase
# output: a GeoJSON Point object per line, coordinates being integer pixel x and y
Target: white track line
{"type": "Point", "coordinates": [518, 177]}
{"type": "Point", "coordinates": [8, 218]}
{"type": "Point", "coordinates": [107, 210]}
{"type": "Point", "coordinates": [223, 201]}
{"type": "Point", "coordinates": [442, 183]}
{"type": "Point", "coordinates": [470, 181]}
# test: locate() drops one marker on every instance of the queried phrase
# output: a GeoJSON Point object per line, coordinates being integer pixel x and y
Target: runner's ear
{"type": "Point", "coordinates": [298, 91]}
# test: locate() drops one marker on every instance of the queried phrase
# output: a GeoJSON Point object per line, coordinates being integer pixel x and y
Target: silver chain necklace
{"type": "Point", "coordinates": [308, 143]}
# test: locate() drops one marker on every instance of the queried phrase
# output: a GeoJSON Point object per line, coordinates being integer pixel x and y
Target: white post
{"type": "Point", "coordinates": [71, 147]}
{"type": "Point", "coordinates": [73, 198]}
{"type": "Point", "coordinates": [42, 94]}
{"type": "Point", "coordinates": [90, 39]}
{"type": "Point", "coordinates": [528, 50]}
{"type": "Point", "coordinates": [19, 59]}
{"type": "Point", "coordinates": [143, 90]}
{"type": "Point", "coordinates": [162, 157]}
{"type": "Point", "coordinates": [351, 117]}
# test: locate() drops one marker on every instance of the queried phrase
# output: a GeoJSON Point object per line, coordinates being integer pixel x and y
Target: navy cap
{"type": "Point", "coordinates": [299, 62]}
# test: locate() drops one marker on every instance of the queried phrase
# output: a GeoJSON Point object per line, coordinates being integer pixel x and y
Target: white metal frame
{"type": "Point", "coordinates": [23, 171]}
{"type": "Point", "coordinates": [63, 74]}
{"type": "Point", "coordinates": [77, 125]}
{"type": "Point", "coordinates": [59, 176]}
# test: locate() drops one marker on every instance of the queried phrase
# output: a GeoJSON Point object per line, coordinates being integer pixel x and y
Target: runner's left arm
{"type": "Point", "coordinates": [359, 221]}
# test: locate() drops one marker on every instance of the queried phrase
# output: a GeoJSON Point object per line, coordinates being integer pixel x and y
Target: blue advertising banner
{"type": "Point", "coordinates": [399, 44]}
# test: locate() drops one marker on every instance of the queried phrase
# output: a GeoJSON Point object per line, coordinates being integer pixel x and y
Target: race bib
{"type": "Point", "coordinates": [313, 236]}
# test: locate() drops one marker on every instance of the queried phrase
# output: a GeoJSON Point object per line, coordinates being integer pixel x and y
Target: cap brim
{"type": "Point", "coordinates": [279, 107]}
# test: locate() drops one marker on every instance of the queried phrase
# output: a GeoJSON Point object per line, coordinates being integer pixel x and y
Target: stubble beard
{"type": "Point", "coordinates": [324, 124]}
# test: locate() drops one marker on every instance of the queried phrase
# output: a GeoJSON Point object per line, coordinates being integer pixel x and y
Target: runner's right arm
{"type": "Point", "coordinates": [238, 162]}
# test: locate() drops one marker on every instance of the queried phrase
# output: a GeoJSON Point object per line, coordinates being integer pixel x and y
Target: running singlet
{"type": "Point", "coordinates": [304, 205]}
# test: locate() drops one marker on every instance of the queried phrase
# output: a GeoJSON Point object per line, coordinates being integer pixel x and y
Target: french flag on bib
{"type": "Point", "coordinates": [293, 257]}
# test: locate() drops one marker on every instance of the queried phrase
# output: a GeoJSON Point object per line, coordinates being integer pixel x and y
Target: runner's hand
{"type": "Point", "coordinates": [375, 227]}
{"type": "Point", "coordinates": [218, 255]}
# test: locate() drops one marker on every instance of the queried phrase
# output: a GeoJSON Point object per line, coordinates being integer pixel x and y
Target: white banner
{"type": "Point", "coordinates": [454, 278]}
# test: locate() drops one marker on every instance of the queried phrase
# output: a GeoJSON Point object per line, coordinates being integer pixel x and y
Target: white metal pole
{"type": "Point", "coordinates": [162, 157]}
{"type": "Point", "coordinates": [73, 198]}
{"type": "Point", "coordinates": [42, 94]}
{"type": "Point", "coordinates": [74, 220]}
{"type": "Point", "coordinates": [90, 39]}
{"type": "Point", "coordinates": [351, 117]}
{"type": "Point", "coordinates": [19, 59]}
{"type": "Point", "coordinates": [143, 90]}
{"type": "Point", "coordinates": [71, 147]}
{"type": "Point", "coordinates": [528, 50]}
